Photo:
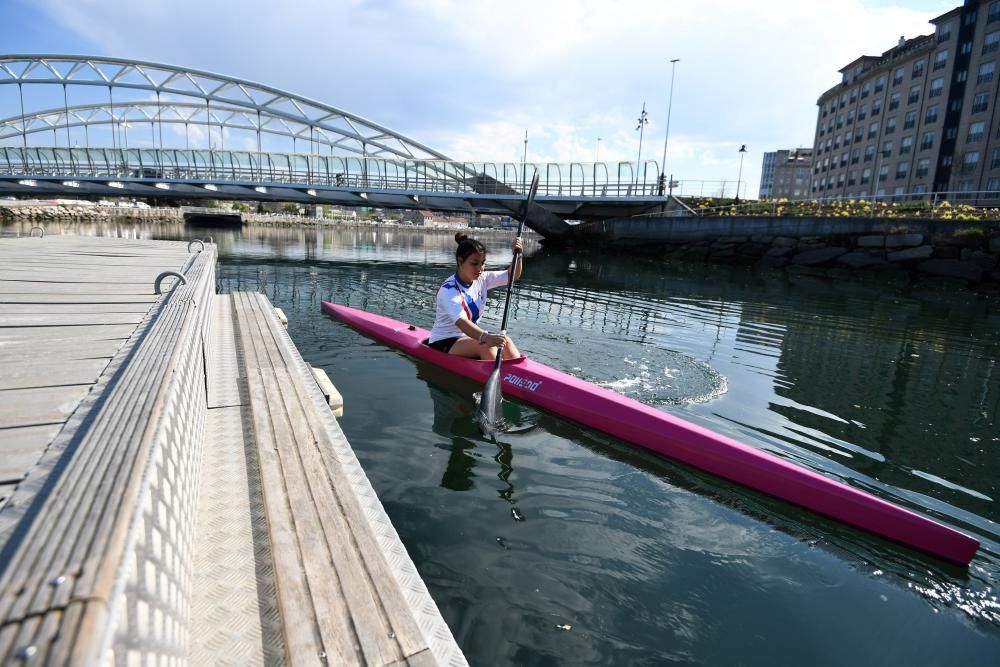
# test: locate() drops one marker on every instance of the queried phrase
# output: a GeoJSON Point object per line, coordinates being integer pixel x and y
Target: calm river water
{"type": "Point", "coordinates": [558, 545]}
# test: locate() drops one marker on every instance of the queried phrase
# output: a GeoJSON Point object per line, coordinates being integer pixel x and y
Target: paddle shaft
{"type": "Point", "coordinates": [513, 266]}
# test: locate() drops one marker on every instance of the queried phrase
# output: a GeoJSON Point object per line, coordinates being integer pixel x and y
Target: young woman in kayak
{"type": "Point", "coordinates": [461, 300]}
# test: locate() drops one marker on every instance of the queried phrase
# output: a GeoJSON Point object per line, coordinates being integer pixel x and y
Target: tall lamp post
{"type": "Point", "coordinates": [739, 177]}
{"type": "Point", "coordinates": [643, 121]}
{"type": "Point", "coordinates": [666, 136]}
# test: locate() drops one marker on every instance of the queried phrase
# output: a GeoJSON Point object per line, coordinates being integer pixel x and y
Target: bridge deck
{"type": "Point", "coordinates": [154, 448]}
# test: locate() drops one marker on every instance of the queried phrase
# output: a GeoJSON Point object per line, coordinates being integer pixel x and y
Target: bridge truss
{"type": "Point", "coordinates": [335, 157]}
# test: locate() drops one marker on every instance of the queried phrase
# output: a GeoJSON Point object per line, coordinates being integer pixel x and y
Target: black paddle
{"type": "Point", "coordinates": [489, 405]}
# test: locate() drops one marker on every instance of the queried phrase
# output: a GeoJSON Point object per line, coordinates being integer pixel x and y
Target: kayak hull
{"type": "Point", "coordinates": [675, 438]}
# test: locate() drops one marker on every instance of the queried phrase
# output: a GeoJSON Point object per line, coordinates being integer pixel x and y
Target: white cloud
{"type": "Point", "coordinates": [469, 77]}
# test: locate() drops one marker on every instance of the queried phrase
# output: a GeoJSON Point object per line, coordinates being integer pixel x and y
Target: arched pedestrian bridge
{"type": "Point", "coordinates": [146, 129]}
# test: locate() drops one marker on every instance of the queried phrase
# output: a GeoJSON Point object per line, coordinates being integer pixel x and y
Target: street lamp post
{"type": "Point", "coordinates": [739, 177]}
{"type": "Point", "coordinates": [666, 136]}
{"type": "Point", "coordinates": [643, 121]}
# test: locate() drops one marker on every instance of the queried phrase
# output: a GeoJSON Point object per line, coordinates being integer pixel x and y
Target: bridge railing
{"type": "Point", "coordinates": [572, 180]}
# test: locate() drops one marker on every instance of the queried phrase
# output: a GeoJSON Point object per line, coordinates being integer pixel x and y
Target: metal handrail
{"type": "Point", "coordinates": [355, 173]}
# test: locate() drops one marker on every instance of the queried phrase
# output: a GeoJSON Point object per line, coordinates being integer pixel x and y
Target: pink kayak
{"type": "Point", "coordinates": [670, 436]}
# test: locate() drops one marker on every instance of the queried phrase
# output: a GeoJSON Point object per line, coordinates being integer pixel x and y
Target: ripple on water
{"type": "Point", "coordinates": [654, 376]}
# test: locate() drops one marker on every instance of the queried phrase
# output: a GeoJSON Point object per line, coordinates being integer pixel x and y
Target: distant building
{"type": "Point", "coordinates": [920, 118]}
{"type": "Point", "coordinates": [767, 175]}
{"type": "Point", "coordinates": [792, 171]}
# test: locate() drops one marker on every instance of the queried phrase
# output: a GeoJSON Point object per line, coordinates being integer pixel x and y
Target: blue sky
{"type": "Point", "coordinates": [468, 78]}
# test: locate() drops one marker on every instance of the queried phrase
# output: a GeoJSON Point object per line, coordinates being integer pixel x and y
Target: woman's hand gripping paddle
{"type": "Point", "coordinates": [489, 405]}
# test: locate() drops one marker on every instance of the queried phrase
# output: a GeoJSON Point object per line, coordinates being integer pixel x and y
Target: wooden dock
{"type": "Point", "coordinates": [173, 484]}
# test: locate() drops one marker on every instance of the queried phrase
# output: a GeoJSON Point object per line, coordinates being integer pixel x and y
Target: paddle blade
{"type": "Point", "coordinates": [489, 405]}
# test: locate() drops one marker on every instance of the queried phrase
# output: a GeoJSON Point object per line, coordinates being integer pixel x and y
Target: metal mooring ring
{"type": "Point", "coordinates": [199, 242]}
{"type": "Point", "coordinates": [32, 232]}
{"type": "Point", "coordinates": [167, 274]}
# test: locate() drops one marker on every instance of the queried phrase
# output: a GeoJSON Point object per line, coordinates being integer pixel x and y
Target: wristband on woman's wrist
{"type": "Point", "coordinates": [482, 337]}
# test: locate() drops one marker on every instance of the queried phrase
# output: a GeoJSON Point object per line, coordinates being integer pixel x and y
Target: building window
{"type": "Point", "coordinates": [879, 84]}
{"type": "Point", "coordinates": [995, 162]}
{"type": "Point", "coordinates": [902, 169]}
{"type": "Point", "coordinates": [970, 18]}
{"type": "Point", "coordinates": [883, 173]}
{"type": "Point", "coordinates": [955, 104]}
{"type": "Point", "coordinates": [866, 89]}
{"type": "Point", "coordinates": [937, 87]}
{"type": "Point", "coordinates": [927, 142]}
{"type": "Point", "coordinates": [854, 96]}
{"type": "Point", "coordinates": [970, 161]}
{"type": "Point", "coordinates": [994, 13]}
{"type": "Point", "coordinates": [980, 102]}
{"type": "Point", "coordinates": [876, 107]}
{"type": "Point", "coordinates": [940, 60]}
{"type": "Point", "coordinates": [897, 77]}
{"type": "Point", "coordinates": [894, 101]}
{"type": "Point", "coordinates": [923, 166]}
{"type": "Point", "coordinates": [918, 69]}
{"type": "Point", "coordinates": [890, 125]}
{"type": "Point", "coordinates": [873, 130]}
{"type": "Point", "coordinates": [859, 133]}
{"type": "Point", "coordinates": [840, 121]}
{"type": "Point", "coordinates": [961, 75]}
{"type": "Point", "coordinates": [992, 42]}
{"type": "Point", "coordinates": [862, 112]}
{"type": "Point", "coordinates": [850, 116]}
{"type": "Point", "coordinates": [932, 114]}
{"type": "Point", "coordinates": [965, 47]}
{"type": "Point", "coordinates": [905, 145]}
{"type": "Point", "coordinates": [919, 189]}
{"type": "Point", "coordinates": [910, 120]}
{"type": "Point", "coordinates": [866, 175]}
{"type": "Point", "coordinates": [886, 148]}
{"type": "Point", "coordinates": [986, 71]}
{"type": "Point", "coordinates": [945, 160]}
{"type": "Point", "coordinates": [976, 131]}
{"type": "Point", "coordinates": [869, 153]}
{"type": "Point", "coordinates": [914, 95]}
{"type": "Point", "coordinates": [943, 33]}
{"type": "Point", "coordinates": [993, 184]}
{"type": "Point", "coordinates": [855, 155]}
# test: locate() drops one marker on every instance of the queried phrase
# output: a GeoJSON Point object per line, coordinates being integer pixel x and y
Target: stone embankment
{"type": "Point", "coordinates": [973, 256]}
{"type": "Point", "coordinates": [825, 246]}
{"type": "Point", "coordinates": [43, 212]}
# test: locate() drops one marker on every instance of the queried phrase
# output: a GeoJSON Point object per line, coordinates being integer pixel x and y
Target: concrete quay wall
{"type": "Point", "coordinates": [967, 251]}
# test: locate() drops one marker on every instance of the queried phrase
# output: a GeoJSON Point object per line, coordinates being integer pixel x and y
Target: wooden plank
{"type": "Point", "coordinates": [32, 407]}
{"type": "Point", "coordinates": [90, 307]}
{"type": "Point", "coordinates": [26, 373]}
{"type": "Point", "coordinates": [298, 620]}
{"type": "Point", "coordinates": [69, 319]}
{"type": "Point", "coordinates": [90, 332]}
{"type": "Point", "coordinates": [79, 299]}
{"type": "Point", "coordinates": [300, 458]}
{"type": "Point", "coordinates": [56, 350]}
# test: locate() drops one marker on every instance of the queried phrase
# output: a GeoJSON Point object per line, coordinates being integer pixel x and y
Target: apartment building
{"type": "Point", "coordinates": [921, 118]}
{"type": "Point", "coordinates": [791, 174]}
{"type": "Point", "coordinates": [767, 175]}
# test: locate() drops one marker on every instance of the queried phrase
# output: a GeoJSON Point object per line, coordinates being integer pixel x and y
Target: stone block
{"type": "Point", "coordinates": [946, 252]}
{"type": "Point", "coordinates": [819, 256]}
{"type": "Point", "coordinates": [952, 268]}
{"type": "Point", "coordinates": [922, 252]}
{"type": "Point", "coordinates": [785, 242]}
{"type": "Point", "coordinates": [859, 260]}
{"type": "Point", "coordinates": [903, 240]}
{"type": "Point", "coordinates": [995, 245]}
{"type": "Point", "coordinates": [762, 238]}
{"type": "Point", "coordinates": [872, 241]}
{"type": "Point", "coordinates": [777, 252]}
{"type": "Point", "coordinates": [984, 260]}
